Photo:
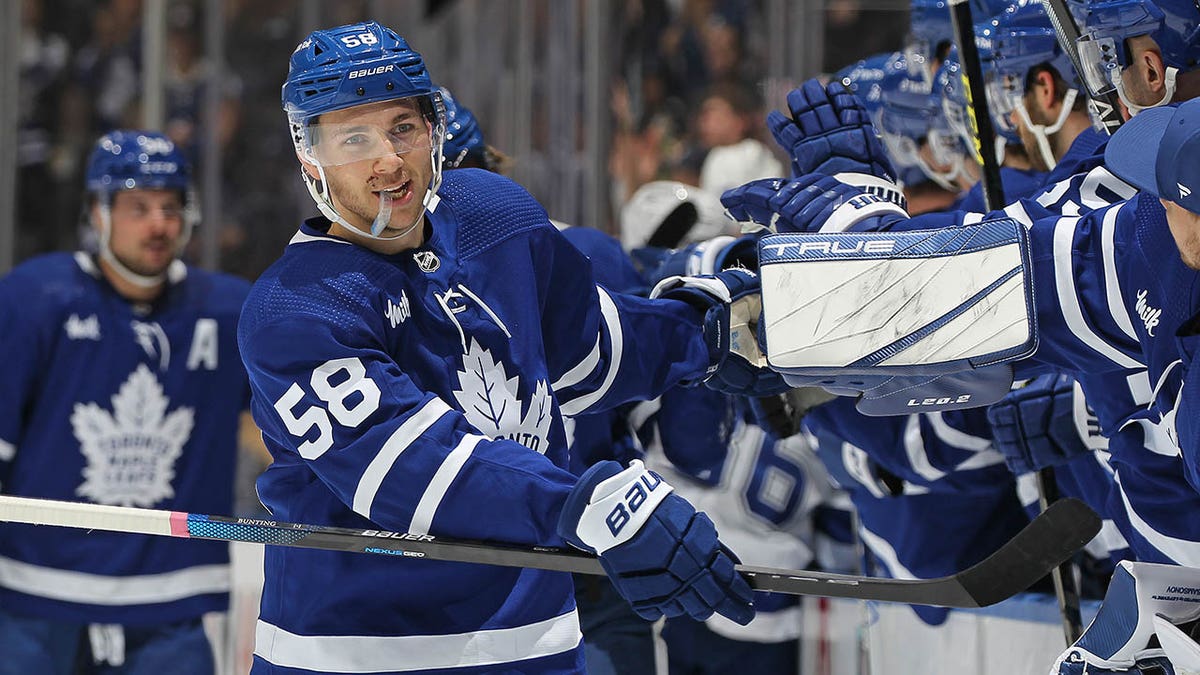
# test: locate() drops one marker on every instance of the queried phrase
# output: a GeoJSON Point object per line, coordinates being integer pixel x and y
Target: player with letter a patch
{"type": "Point", "coordinates": [450, 421]}
{"type": "Point", "coordinates": [123, 385]}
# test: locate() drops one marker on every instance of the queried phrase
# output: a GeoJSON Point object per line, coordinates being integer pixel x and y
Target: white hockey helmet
{"type": "Point", "coordinates": [668, 214]}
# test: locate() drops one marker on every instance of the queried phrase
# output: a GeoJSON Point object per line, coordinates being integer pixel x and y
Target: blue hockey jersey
{"type": "Point", "coordinates": [112, 403]}
{"type": "Point", "coordinates": [424, 392]}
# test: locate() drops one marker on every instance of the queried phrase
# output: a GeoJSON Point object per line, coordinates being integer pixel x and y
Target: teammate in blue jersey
{"type": "Point", "coordinates": [123, 385]}
{"type": "Point", "coordinates": [411, 358]}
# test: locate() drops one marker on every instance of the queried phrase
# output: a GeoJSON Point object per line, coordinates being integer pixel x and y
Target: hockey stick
{"type": "Point", "coordinates": [1051, 538]}
{"type": "Point", "coordinates": [1104, 106]}
{"type": "Point", "coordinates": [981, 119]}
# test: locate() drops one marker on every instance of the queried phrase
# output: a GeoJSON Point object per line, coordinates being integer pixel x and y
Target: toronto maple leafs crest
{"type": "Point", "coordinates": [488, 398]}
{"type": "Point", "coordinates": [131, 452]}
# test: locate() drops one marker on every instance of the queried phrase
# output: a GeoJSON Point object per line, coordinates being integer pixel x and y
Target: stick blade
{"type": "Point", "coordinates": [1051, 539]}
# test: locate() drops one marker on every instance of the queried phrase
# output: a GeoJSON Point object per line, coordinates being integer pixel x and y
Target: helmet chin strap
{"type": "Point", "coordinates": [1041, 132]}
{"type": "Point", "coordinates": [1134, 109]}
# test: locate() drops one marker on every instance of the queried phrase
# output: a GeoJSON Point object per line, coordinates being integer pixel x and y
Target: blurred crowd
{"type": "Point", "coordinates": [687, 90]}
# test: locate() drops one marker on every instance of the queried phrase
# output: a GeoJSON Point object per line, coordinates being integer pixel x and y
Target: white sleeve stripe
{"type": "Point", "coordinates": [1017, 212]}
{"type": "Point", "coordinates": [581, 370]}
{"type": "Point", "coordinates": [1064, 283]}
{"type": "Point", "coordinates": [612, 320]}
{"type": "Point", "coordinates": [1112, 284]}
{"type": "Point", "coordinates": [886, 554]}
{"type": "Point", "coordinates": [436, 490]}
{"type": "Point", "coordinates": [955, 437]}
{"type": "Point", "coordinates": [972, 218]}
{"type": "Point", "coordinates": [914, 445]}
{"type": "Point", "coordinates": [1180, 551]}
{"type": "Point", "coordinates": [401, 438]}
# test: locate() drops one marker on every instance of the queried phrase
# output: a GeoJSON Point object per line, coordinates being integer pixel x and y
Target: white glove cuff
{"type": "Point", "coordinates": [619, 506]}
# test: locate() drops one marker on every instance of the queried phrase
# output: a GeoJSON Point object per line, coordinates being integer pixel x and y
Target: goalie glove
{"type": "Point", "coordinates": [732, 308]}
{"type": "Point", "coordinates": [828, 131]}
{"type": "Point", "coordinates": [814, 203]}
{"type": "Point", "coordinates": [662, 555]}
{"type": "Point", "coordinates": [1042, 424]}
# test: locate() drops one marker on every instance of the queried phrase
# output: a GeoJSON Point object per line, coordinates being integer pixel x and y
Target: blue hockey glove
{"type": "Point", "coordinates": [661, 554]}
{"type": "Point", "coordinates": [1036, 426]}
{"type": "Point", "coordinates": [814, 203]}
{"type": "Point", "coordinates": [732, 309]}
{"type": "Point", "coordinates": [828, 131]}
{"type": "Point", "coordinates": [706, 257]}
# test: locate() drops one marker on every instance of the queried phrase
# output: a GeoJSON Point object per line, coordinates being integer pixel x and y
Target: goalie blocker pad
{"type": "Point", "coordinates": [917, 321]}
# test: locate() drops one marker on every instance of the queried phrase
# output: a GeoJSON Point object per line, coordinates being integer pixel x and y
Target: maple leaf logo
{"type": "Point", "coordinates": [131, 453]}
{"type": "Point", "coordinates": [489, 400]}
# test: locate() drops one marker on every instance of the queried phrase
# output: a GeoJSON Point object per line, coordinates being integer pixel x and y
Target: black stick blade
{"type": "Point", "coordinates": [1047, 541]}
{"type": "Point", "coordinates": [1051, 539]}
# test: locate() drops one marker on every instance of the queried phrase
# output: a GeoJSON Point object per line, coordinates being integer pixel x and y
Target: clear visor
{"type": "Point", "coordinates": [945, 147]}
{"type": "Point", "coordinates": [1005, 92]}
{"type": "Point", "coordinates": [902, 150]}
{"type": "Point", "coordinates": [1100, 61]}
{"type": "Point", "coordinates": [339, 144]}
{"type": "Point", "coordinates": [957, 120]}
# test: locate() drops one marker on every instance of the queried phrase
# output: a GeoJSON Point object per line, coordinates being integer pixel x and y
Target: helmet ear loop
{"type": "Point", "coordinates": [1042, 132]}
{"type": "Point", "coordinates": [1118, 81]}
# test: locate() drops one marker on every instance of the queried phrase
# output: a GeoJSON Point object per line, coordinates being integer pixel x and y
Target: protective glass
{"type": "Point", "coordinates": [1100, 59]}
{"type": "Point", "coordinates": [340, 144]}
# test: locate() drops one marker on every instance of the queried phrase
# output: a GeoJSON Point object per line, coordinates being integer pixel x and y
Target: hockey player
{"type": "Point", "coordinates": [123, 385]}
{"type": "Point", "coordinates": [411, 357]}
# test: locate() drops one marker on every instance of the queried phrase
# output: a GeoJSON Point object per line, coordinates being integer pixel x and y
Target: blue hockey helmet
{"type": "Point", "coordinates": [134, 159]}
{"type": "Point", "coordinates": [911, 118]}
{"type": "Point", "coordinates": [1174, 25]}
{"type": "Point", "coordinates": [931, 30]}
{"type": "Point", "coordinates": [354, 65]}
{"type": "Point", "coordinates": [863, 80]}
{"type": "Point", "coordinates": [463, 136]}
{"type": "Point", "coordinates": [1025, 39]}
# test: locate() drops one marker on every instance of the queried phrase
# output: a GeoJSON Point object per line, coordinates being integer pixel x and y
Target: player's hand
{"type": "Point", "coordinates": [812, 203]}
{"type": "Point", "coordinates": [1036, 426]}
{"type": "Point", "coordinates": [828, 131]}
{"type": "Point", "coordinates": [732, 306]}
{"type": "Point", "coordinates": [706, 257]}
{"type": "Point", "coordinates": [661, 554]}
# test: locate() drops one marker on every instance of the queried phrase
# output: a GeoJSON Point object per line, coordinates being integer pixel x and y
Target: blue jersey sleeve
{"type": "Point", "coordinates": [605, 348]}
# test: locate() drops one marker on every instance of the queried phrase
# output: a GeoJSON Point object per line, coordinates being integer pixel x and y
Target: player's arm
{"type": "Point", "coordinates": [605, 348]}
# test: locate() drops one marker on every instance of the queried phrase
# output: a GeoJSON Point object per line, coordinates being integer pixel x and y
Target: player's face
{"type": "Point", "coordinates": [146, 227]}
{"type": "Point", "coordinates": [1185, 228]}
{"type": "Point", "coordinates": [375, 153]}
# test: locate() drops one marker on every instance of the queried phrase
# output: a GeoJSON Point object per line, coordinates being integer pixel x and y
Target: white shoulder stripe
{"type": "Point", "coordinates": [1112, 284]}
{"type": "Point", "coordinates": [401, 438]}
{"type": "Point", "coordinates": [410, 653]}
{"type": "Point", "coordinates": [608, 309]}
{"type": "Point", "coordinates": [1064, 283]}
{"type": "Point", "coordinates": [436, 490]}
